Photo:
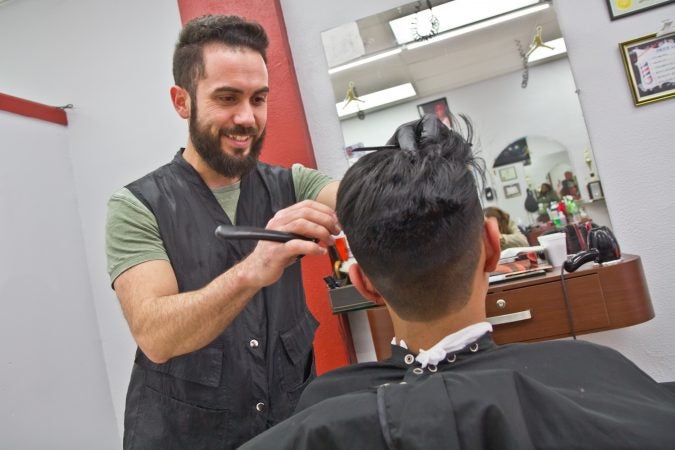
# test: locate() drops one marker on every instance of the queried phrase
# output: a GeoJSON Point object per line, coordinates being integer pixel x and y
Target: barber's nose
{"type": "Point", "coordinates": [244, 115]}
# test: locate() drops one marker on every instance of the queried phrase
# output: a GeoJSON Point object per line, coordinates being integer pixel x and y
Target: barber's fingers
{"type": "Point", "coordinates": [310, 204]}
{"type": "Point", "coordinates": [430, 128]}
{"type": "Point", "coordinates": [405, 136]}
{"type": "Point", "coordinates": [410, 135]}
{"type": "Point", "coordinates": [267, 262]}
{"type": "Point", "coordinates": [308, 218]}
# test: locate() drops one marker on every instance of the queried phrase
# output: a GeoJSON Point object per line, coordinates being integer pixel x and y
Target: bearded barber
{"type": "Point", "coordinates": [224, 335]}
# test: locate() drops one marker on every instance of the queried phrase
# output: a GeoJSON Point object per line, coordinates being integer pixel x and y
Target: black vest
{"type": "Point", "coordinates": [252, 375]}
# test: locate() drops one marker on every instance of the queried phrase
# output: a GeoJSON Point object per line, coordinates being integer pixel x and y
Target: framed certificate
{"type": "Point", "coordinates": [508, 173]}
{"type": "Point", "coordinates": [512, 190]}
{"type": "Point", "coordinates": [623, 8]}
{"type": "Point", "coordinates": [650, 67]}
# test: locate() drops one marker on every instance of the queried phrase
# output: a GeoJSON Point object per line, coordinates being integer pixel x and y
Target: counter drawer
{"type": "Point", "coordinates": [538, 311]}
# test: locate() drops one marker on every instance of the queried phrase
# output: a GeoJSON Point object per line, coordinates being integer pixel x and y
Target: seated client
{"type": "Point", "coordinates": [510, 234]}
{"type": "Point", "coordinates": [416, 227]}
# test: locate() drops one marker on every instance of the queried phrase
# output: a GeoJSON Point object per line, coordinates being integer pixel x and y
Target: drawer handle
{"type": "Point", "coordinates": [509, 318]}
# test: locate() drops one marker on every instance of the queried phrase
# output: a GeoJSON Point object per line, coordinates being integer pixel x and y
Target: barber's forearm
{"type": "Point", "coordinates": [166, 324]}
{"type": "Point", "coordinates": [174, 325]}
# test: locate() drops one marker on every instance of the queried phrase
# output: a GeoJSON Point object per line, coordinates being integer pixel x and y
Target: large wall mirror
{"type": "Point", "coordinates": [502, 63]}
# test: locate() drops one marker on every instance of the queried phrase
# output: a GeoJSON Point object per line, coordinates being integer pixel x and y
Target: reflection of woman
{"type": "Point", "coordinates": [547, 194]}
{"type": "Point", "coordinates": [511, 235]}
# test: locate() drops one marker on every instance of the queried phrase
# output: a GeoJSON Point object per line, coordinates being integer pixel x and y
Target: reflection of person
{"type": "Point", "coordinates": [569, 186]}
{"type": "Point", "coordinates": [225, 339]}
{"type": "Point", "coordinates": [443, 114]}
{"type": "Point", "coordinates": [510, 234]}
{"type": "Point", "coordinates": [547, 194]}
{"type": "Point", "coordinates": [415, 225]}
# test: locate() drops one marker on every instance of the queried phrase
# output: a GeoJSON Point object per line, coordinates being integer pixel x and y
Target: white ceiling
{"type": "Point", "coordinates": [445, 65]}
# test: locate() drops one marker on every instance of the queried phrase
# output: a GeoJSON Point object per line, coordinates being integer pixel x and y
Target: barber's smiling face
{"type": "Point", "coordinates": [228, 118]}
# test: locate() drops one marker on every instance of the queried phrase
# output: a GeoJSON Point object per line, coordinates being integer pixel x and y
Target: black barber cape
{"type": "Point", "coordinates": [549, 395]}
{"type": "Point", "coordinates": [251, 376]}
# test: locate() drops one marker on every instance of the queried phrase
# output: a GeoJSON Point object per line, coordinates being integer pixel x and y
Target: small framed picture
{"type": "Point", "coordinates": [648, 61]}
{"type": "Point", "coordinates": [508, 173]}
{"type": "Point", "coordinates": [595, 190]}
{"type": "Point", "coordinates": [512, 190]}
{"type": "Point", "coordinates": [440, 108]}
{"type": "Point", "coordinates": [623, 8]}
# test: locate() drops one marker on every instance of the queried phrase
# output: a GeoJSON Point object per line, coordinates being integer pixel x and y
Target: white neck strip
{"type": "Point", "coordinates": [449, 344]}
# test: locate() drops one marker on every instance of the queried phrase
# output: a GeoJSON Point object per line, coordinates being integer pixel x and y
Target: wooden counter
{"type": "Point", "coordinates": [532, 309]}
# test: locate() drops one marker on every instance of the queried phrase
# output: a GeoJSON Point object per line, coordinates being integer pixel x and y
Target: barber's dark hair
{"type": "Point", "coordinates": [413, 220]}
{"type": "Point", "coordinates": [232, 31]}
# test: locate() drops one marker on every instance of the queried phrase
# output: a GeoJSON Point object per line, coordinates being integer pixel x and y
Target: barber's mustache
{"type": "Point", "coordinates": [239, 130]}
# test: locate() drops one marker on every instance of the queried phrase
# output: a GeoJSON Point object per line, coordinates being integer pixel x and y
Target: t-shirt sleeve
{"type": "Point", "coordinates": [308, 182]}
{"type": "Point", "coordinates": [132, 234]}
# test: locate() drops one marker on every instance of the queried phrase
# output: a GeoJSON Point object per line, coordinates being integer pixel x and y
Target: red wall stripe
{"type": "Point", "coordinates": [287, 142]}
{"type": "Point", "coordinates": [28, 108]}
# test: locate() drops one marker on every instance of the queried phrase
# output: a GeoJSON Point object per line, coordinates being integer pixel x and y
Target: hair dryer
{"type": "Point", "coordinates": [602, 248]}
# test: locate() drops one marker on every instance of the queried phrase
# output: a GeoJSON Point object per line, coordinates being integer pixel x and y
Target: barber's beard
{"type": "Point", "coordinates": [207, 144]}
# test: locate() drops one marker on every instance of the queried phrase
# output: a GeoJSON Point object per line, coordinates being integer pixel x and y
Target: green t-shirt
{"type": "Point", "coordinates": [132, 233]}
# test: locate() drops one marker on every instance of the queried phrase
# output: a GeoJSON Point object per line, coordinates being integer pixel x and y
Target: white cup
{"type": "Point", "coordinates": [555, 245]}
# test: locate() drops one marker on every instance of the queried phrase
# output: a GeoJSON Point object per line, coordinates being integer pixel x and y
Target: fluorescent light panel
{"type": "Point", "coordinates": [543, 53]}
{"type": "Point", "coordinates": [376, 99]}
{"type": "Point", "coordinates": [477, 26]}
{"type": "Point", "coordinates": [367, 60]}
{"type": "Point", "coordinates": [451, 15]}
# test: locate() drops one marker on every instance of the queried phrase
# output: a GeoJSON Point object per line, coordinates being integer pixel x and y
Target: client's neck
{"type": "Point", "coordinates": [424, 334]}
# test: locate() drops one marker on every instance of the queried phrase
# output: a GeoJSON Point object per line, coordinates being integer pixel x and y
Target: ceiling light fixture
{"type": "Point", "coordinates": [367, 60]}
{"type": "Point", "coordinates": [375, 99]}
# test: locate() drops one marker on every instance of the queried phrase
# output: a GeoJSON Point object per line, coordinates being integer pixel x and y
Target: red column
{"type": "Point", "coordinates": [287, 142]}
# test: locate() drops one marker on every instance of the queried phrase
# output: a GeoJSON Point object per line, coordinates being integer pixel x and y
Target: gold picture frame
{"type": "Point", "coordinates": [648, 65]}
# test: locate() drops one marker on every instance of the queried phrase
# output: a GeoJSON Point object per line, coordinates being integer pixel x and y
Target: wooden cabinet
{"type": "Point", "coordinates": [540, 311]}
{"type": "Point", "coordinates": [600, 298]}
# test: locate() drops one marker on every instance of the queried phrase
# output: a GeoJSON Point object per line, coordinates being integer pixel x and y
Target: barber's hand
{"type": "Point", "coordinates": [307, 218]}
{"type": "Point", "coordinates": [410, 135]}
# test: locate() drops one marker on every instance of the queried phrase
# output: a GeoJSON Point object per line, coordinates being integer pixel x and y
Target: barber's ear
{"type": "Point", "coordinates": [364, 285]}
{"type": "Point", "coordinates": [491, 245]}
{"type": "Point", "coordinates": [181, 101]}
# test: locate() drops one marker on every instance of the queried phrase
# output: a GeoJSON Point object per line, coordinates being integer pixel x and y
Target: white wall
{"type": "Point", "coordinates": [634, 151]}
{"type": "Point", "coordinates": [112, 60]}
{"type": "Point", "coordinates": [53, 382]}
{"type": "Point", "coordinates": [633, 146]}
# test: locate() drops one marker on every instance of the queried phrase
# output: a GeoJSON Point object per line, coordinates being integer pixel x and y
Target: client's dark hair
{"type": "Point", "coordinates": [232, 31]}
{"type": "Point", "coordinates": [414, 223]}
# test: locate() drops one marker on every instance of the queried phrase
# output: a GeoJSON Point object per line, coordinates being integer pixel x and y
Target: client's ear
{"type": "Point", "coordinates": [491, 244]}
{"type": "Point", "coordinates": [363, 284]}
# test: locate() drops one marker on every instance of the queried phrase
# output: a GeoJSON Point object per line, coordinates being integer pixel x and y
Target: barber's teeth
{"type": "Point", "coordinates": [238, 137]}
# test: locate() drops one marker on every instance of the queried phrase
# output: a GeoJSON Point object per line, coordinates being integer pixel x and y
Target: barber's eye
{"type": "Point", "coordinates": [227, 98]}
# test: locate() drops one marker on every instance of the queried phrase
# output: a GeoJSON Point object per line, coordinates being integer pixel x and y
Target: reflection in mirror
{"type": "Point", "coordinates": [505, 68]}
